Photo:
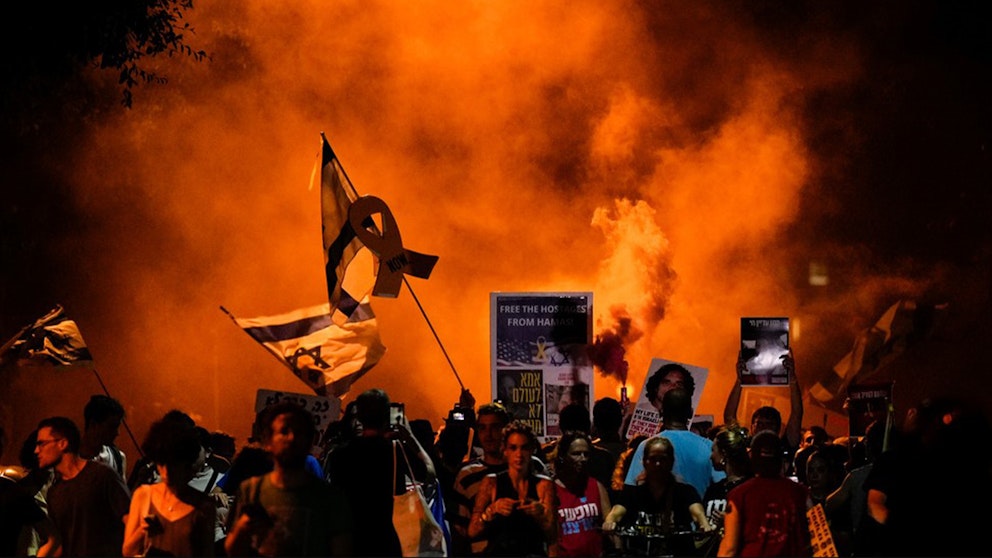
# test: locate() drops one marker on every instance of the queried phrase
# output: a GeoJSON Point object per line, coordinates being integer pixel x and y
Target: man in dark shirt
{"type": "Point", "coordinates": [88, 501]}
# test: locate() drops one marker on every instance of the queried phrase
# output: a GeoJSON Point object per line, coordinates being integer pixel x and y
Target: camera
{"type": "Point", "coordinates": [461, 415]}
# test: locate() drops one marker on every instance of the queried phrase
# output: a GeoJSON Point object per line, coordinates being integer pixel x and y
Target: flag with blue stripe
{"type": "Point", "coordinates": [327, 356]}
{"type": "Point", "coordinates": [341, 245]}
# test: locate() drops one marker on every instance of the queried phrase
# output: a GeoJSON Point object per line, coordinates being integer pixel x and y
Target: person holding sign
{"type": "Point", "coordinates": [769, 418]}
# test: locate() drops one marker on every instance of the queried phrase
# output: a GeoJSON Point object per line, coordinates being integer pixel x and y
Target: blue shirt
{"type": "Point", "coordinates": [692, 460]}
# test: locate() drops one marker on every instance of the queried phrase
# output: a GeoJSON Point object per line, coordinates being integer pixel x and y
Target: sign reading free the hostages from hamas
{"type": "Point", "coordinates": [539, 360]}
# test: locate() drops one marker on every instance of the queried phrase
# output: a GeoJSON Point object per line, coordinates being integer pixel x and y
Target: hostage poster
{"type": "Point", "coordinates": [646, 419]}
{"type": "Point", "coordinates": [538, 355]}
{"type": "Point", "coordinates": [764, 341]}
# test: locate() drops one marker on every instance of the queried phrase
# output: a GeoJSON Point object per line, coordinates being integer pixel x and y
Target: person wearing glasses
{"type": "Point", "coordinates": [88, 501]}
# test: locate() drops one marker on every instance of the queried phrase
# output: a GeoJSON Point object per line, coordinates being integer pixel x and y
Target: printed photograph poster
{"type": "Point", "coordinates": [646, 418]}
{"type": "Point", "coordinates": [865, 404]}
{"type": "Point", "coordinates": [325, 410]}
{"type": "Point", "coordinates": [561, 389]}
{"type": "Point", "coordinates": [539, 354]}
{"type": "Point", "coordinates": [522, 392]}
{"type": "Point", "coordinates": [764, 341]}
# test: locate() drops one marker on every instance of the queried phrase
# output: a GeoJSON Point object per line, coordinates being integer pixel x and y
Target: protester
{"type": "Point", "coordinates": [88, 500]}
{"type": "Point", "coordinates": [766, 515]}
{"type": "Point", "coordinates": [607, 417]}
{"type": "Point", "coordinates": [254, 460]}
{"type": "Point", "coordinates": [102, 418]}
{"type": "Point", "coordinates": [581, 502]}
{"type": "Point", "coordinates": [769, 418]}
{"type": "Point", "coordinates": [489, 423]}
{"type": "Point", "coordinates": [515, 508]}
{"type": "Point", "coordinates": [170, 517]}
{"type": "Point", "coordinates": [660, 501]}
{"type": "Point", "coordinates": [692, 451]}
{"type": "Point", "coordinates": [18, 510]}
{"type": "Point", "coordinates": [849, 503]}
{"type": "Point", "coordinates": [369, 473]}
{"type": "Point", "coordinates": [730, 445]}
{"type": "Point", "coordinates": [289, 511]}
{"type": "Point", "coordinates": [36, 481]}
{"type": "Point", "coordinates": [823, 474]}
{"type": "Point", "coordinates": [600, 462]}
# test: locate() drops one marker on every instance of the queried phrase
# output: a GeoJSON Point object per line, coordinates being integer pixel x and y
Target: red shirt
{"type": "Point", "coordinates": [773, 517]}
{"type": "Point", "coordinates": [580, 521]}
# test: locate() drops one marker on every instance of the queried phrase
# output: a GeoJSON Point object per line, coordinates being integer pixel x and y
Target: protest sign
{"type": "Point", "coordinates": [646, 419]}
{"type": "Point", "coordinates": [539, 359]}
{"type": "Point", "coordinates": [764, 341]}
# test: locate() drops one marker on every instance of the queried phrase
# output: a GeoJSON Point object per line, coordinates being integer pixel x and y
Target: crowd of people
{"type": "Point", "coordinates": [493, 490]}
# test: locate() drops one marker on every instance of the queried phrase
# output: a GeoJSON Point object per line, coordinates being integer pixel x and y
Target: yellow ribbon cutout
{"type": "Point", "coordinates": [387, 245]}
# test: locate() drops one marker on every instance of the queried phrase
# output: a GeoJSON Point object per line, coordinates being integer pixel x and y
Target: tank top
{"type": "Point", "coordinates": [580, 521]}
{"type": "Point", "coordinates": [176, 536]}
{"type": "Point", "coordinates": [517, 534]}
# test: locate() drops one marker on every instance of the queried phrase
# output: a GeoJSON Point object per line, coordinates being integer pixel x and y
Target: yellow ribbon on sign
{"type": "Point", "coordinates": [387, 245]}
{"type": "Point", "coordinates": [541, 344]}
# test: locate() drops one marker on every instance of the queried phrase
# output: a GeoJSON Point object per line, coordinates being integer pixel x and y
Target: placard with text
{"type": "Point", "coordinates": [539, 360]}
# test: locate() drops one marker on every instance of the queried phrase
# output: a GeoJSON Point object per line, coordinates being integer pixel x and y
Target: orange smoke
{"type": "Point", "coordinates": [496, 132]}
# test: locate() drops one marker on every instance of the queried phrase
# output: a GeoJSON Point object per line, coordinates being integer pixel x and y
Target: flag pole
{"type": "Point", "coordinates": [123, 420]}
{"type": "Point", "coordinates": [436, 338]}
{"type": "Point", "coordinates": [405, 282]}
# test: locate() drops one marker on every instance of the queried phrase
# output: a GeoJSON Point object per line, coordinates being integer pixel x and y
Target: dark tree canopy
{"type": "Point", "coordinates": [47, 45]}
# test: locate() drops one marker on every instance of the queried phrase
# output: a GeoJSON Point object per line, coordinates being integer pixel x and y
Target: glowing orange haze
{"type": "Point", "coordinates": [558, 147]}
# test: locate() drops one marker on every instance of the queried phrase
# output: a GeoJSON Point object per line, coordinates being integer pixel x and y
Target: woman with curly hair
{"type": "Point", "coordinates": [515, 508]}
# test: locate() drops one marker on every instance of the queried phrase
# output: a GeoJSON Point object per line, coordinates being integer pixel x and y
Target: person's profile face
{"type": "Point", "coordinates": [716, 458]}
{"type": "Point", "coordinates": [49, 448]}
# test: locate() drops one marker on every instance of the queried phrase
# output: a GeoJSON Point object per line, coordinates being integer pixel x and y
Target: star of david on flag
{"type": "Point", "coordinates": [327, 356]}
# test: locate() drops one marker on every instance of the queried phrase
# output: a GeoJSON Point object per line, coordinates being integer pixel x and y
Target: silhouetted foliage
{"type": "Point", "coordinates": [54, 42]}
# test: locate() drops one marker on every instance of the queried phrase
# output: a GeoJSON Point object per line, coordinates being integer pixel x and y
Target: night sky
{"type": "Point", "coordinates": [686, 162]}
